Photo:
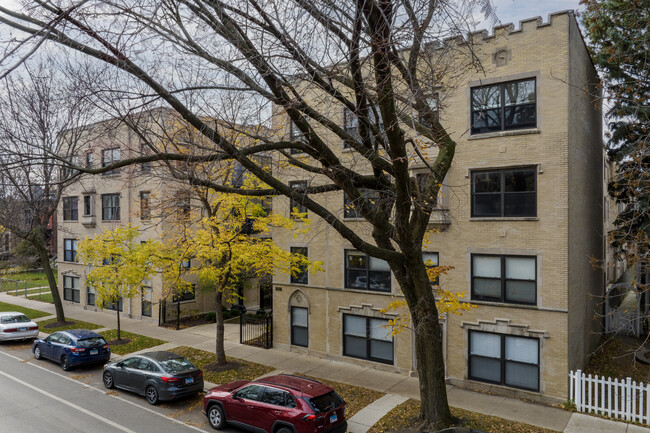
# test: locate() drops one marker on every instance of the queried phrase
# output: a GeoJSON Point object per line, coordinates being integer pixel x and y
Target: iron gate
{"type": "Point", "coordinates": [255, 331]}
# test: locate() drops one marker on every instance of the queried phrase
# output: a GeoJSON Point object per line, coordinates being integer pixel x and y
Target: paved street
{"type": "Point", "coordinates": [37, 396]}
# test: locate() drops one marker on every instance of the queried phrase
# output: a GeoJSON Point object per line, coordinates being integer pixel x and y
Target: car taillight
{"type": "Point", "coordinates": [309, 417]}
{"type": "Point", "coordinates": [106, 346]}
{"type": "Point", "coordinates": [10, 330]}
{"type": "Point", "coordinates": [170, 379]}
{"type": "Point", "coordinates": [77, 349]}
{"type": "Point", "coordinates": [33, 328]}
{"type": "Point", "coordinates": [200, 374]}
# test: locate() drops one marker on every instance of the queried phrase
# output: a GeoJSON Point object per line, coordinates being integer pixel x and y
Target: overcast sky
{"type": "Point", "coordinates": [512, 11]}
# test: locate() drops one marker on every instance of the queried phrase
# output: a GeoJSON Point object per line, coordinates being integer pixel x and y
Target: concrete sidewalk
{"type": "Point", "coordinates": [397, 387]}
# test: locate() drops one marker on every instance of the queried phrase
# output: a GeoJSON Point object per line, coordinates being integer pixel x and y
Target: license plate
{"type": "Point", "coordinates": [333, 419]}
{"type": "Point", "coordinates": [189, 380]}
{"type": "Point", "coordinates": [94, 351]}
{"type": "Point", "coordinates": [22, 329]}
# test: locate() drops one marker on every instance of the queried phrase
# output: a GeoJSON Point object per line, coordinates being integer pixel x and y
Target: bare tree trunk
{"type": "Point", "coordinates": [220, 349]}
{"type": "Point", "coordinates": [51, 279]}
{"type": "Point", "coordinates": [117, 310]}
{"type": "Point", "coordinates": [434, 410]}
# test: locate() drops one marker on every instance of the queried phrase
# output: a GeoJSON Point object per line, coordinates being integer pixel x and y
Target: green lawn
{"type": "Point", "coordinates": [138, 342]}
{"type": "Point", "coordinates": [34, 279]}
{"type": "Point", "coordinates": [32, 314]}
{"type": "Point", "coordinates": [78, 324]}
{"type": "Point", "coordinates": [246, 370]}
{"type": "Point", "coordinates": [43, 297]}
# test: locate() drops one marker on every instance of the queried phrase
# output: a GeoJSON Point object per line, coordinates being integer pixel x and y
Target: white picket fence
{"type": "Point", "coordinates": [622, 399]}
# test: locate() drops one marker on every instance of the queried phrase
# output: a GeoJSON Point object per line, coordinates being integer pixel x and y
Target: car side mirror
{"type": "Point", "coordinates": [119, 364]}
{"type": "Point", "coordinates": [235, 396]}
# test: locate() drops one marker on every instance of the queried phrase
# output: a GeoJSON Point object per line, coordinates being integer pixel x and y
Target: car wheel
{"type": "Point", "coordinates": [283, 430]}
{"type": "Point", "coordinates": [37, 352]}
{"type": "Point", "coordinates": [151, 395]}
{"type": "Point", "coordinates": [65, 364]}
{"type": "Point", "coordinates": [216, 417]}
{"type": "Point", "coordinates": [108, 380]}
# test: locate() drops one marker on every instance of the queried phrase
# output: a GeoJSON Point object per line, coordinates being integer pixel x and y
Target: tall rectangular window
{"type": "Point", "coordinates": [510, 279]}
{"type": "Point", "coordinates": [146, 301]}
{"type": "Point", "coordinates": [295, 134]}
{"type": "Point", "coordinates": [367, 338]}
{"type": "Point", "coordinates": [303, 276]}
{"type": "Point", "coordinates": [504, 106]}
{"type": "Point", "coordinates": [89, 160]}
{"type": "Point", "coordinates": [300, 186]}
{"type": "Point", "coordinates": [431, 261]}
{"type": "Point", "coordinates": [299, 326]}
{"type": "Point", "coordinates": [433, 102]}
{"type": "Point", "coordinates": [366, 272]}
{"type": "Point", "coordinates": [70, 208]}
{"type": "Point", "coordinates": [504, 360]}
{"type": "Point", "coordinates": [504, 193]}
{"type": "Point", "coordinates": [110, 207]}
{"type": "Point", "coordinates": [69, 250]}
{"type": "Point", "coordinates": [71, 290]}
{"type": "Point", "coordinates": [88, 205]}
{"type": "Point", "coordinates": [91, 296]}
{"type": "Point", "coordinates": [110, 156]}
{"type": "Point", "coordinates": [145, 167]}
{"type": "Point", "coordinates": [351, 123]}
{"type": "Point", "coordinates": [145, 208]}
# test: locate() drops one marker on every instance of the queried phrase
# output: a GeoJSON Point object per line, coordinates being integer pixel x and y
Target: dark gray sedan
{"type": "Point", "coordinates": [155, 375]}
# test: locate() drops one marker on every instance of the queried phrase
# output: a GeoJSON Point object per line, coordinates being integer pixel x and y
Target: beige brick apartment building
{"type": "Point", "coordinates": [143, 195]}
{"type": "Point", "coordinates": [520, 219]}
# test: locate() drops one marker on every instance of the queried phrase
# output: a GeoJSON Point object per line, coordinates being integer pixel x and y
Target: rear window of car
{"type": "Point", "coordinates": [91, 342]}
{"type": "Point", "coordinates": [326, 402]}
{"type": "Point", "coordinates": [174, 365]}
{"type": "Point", "coordinates": [19, 318]}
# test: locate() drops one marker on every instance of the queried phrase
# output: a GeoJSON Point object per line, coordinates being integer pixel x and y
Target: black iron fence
{"type": "Point", "coordinates": [256, 331]}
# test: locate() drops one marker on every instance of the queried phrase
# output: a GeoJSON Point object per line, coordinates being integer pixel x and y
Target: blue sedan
{"type": "Point", "coordinates": [72, 348]}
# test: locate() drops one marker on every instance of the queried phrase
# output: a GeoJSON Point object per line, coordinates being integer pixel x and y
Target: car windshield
{"type": "Point", "coordinates": [326, 402]}
{"type": "Point", "coordinates": [91, 342]}
{"type": "Point", "coordinates": [174, 365]}
{"type": "Point", "coordinates": [19, 318]}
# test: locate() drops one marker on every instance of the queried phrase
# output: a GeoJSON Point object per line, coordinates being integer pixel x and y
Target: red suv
{"type": "Point", "coordinates": [276, 404]}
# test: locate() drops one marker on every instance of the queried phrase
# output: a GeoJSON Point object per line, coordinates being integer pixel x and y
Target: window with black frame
{"type": "Point", "coordinates": [433, 102]}
{"type": "Point", "coordinates": [110, 207]}
{"type": "Point", "coordinates": [71, 290]}
{"type": "Point", "coordinates": [431, 261]}
{"type": "Point", "coordinates": [302, 277]}
{"type": "Point", "coordinates": [367, 338]}
{"type": "Point", "coordinates": [188, 294]}
{"type": "Point", "coordinates": [116, 305]}
{"type": "Point", "coordinates": [349, 209]}
{"type": "Point", "coordinates": [69, 250]}
{"type": "Point", "coordinates": [508, 279]}
{"type": "Point", "coordinates": [146, 301]}
{"type": "Point", "coordinates": [91, 296]}
{"type": "Point", "coordinates": [504, 106]}
{"type": "Point", "coordinates": [504, 360]}
{"type": "Point", "coordinates": [295, 205]}
{"type": "Point", "coordinates": [508, 193]}
{"type": "Point", "coordinates": [70, 209]}
{"type": "Point", "coordinates": [351, 123]}
{"type": "Point", "coordinates": [88, 205]}
{"type": "Point", "coordinates": [145, 205]}
{"type": "Point", "coordinates": [295, 134]}
{"type": "Point", "coordinates": [110, 156]}
{"type": "Point", "coordinates": [365, 272]}
{"type": "Point", "coordinates": [299, 326]}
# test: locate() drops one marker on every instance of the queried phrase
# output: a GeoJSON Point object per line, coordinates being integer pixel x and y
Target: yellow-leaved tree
{"type": "Point", "coordinates": [230, 246]}
{"type": "Point", "coordinates": [118, 266]}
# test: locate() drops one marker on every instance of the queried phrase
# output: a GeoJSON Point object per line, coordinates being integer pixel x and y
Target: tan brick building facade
{"type": "Point", "coordinates": [524, 259]}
